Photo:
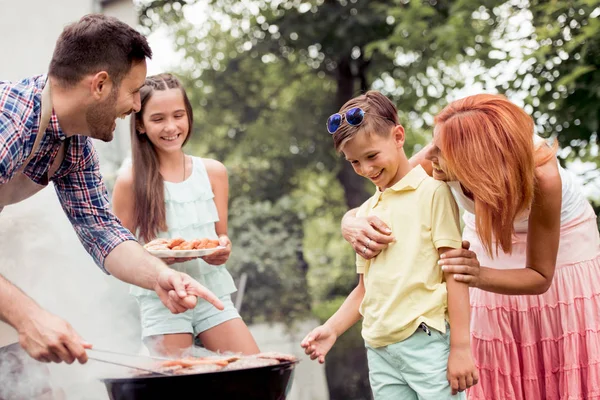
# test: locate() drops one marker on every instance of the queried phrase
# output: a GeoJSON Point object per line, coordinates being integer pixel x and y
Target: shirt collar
{"type": "Point", "coordinates": [410, 181]}
{"type": "Point", "coordinates": [53, 126]}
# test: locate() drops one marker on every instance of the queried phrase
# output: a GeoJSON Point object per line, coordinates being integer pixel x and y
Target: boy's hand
{"type": "Point", "coordinates": [462, 373]}
{"type": "Point", "coordinates": [318, 342]}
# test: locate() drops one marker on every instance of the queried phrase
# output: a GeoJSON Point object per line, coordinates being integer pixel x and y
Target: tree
{"type": "Point", "coordinates": [565, 67]}
{"type": "Point", "coordinates": [355, 43]}
{"type": "Point", "coordinates": [264, 76]}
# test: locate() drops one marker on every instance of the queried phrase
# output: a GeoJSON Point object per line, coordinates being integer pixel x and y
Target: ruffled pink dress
{"type": "Point", "coordinates": [544, 347]}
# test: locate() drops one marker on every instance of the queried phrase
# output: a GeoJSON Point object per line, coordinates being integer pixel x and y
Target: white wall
{"type": "Point", "coordinates": [28, 32]}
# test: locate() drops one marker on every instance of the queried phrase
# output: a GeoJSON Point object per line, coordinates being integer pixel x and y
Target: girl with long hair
{"type": "Point", "coordinates": [166, 194]}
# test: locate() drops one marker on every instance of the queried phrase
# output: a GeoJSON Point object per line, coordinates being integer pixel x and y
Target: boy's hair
{"type": "Point", "coordinates": [97, 43]}
{"type": "Point", "coordinates": [150, 214]}
{"type": "Point", "coordinates": [487, 143]}
{"type": "Point", "coordinates": [380, 116]}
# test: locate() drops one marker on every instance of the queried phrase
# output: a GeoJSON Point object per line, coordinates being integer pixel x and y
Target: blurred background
{"type": "Point", "coordinates": [263, 76]}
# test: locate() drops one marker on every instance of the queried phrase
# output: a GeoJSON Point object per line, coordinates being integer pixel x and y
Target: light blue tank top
{"type": "Point", "coordinates": [191, 213]}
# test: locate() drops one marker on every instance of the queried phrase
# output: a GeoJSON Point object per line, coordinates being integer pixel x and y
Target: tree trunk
{"type": "Point", "coordinates": [354, 185]}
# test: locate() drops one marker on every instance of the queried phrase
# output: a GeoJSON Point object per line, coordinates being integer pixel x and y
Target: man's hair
{"type": "Point", "coordinates": [97, 43]}
{"type": "Point", "coordinates": [380, 116]}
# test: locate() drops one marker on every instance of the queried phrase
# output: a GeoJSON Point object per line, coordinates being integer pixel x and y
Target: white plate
{"type": "Point", "coordinates": [184, 253]}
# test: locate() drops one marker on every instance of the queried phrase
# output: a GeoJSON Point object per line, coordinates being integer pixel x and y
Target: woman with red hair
{"type": "Point", "coordinates": [534, 258]}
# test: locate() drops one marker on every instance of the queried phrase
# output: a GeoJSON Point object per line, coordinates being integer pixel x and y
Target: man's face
{"type": "Point", "coordinates": [122, 101]}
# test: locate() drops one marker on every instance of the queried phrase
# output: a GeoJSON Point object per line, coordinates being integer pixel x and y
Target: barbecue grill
{"type": "Point", "coordinates": [271, 382]}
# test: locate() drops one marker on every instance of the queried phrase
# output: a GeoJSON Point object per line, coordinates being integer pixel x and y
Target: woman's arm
{"type": "Point", "coordinates": [419, 159]}
{"type": "Point", "coordinates": [368, 233]}
{"type": "Point", "coordinates": [542, 245]}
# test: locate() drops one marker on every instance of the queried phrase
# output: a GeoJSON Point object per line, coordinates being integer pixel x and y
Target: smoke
{"type": "Point", "coordinates": [40, 253]}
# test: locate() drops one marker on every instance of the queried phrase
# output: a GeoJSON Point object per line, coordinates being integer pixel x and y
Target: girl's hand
{"type": "Point", "coordinates": [220, 256]}
{"type": "Point", "coordinates": [368, 236]}
{"type": "Point", "coordinates": [318, 342]}
{"type": "Point", "coordinates": [175, 260]}
{"type": "Point", "coordinates": [462, 373]}
{"type": "Point", "coordinates": [463, 263]}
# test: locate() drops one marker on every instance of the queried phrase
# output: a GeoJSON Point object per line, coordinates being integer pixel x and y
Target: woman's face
{"type": "Point", "coordinates": [165, 120]}
{"type": "Point", "coordinates": [440, 169]}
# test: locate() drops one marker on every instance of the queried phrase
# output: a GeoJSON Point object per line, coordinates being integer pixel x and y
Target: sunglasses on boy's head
{"type": "Point", "coordinates": [354, 116]}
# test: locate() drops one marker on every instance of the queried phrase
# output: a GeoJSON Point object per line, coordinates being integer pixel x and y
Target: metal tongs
{"type": "Point", "coordinates": [129, 365]}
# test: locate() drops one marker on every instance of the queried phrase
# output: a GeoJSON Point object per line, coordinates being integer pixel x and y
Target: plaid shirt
{"type": "Point", "coordinates": [77, 181]}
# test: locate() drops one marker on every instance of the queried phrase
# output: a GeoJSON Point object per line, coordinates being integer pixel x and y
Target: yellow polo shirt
{"type": "Point", "coordinates": [404, 285]}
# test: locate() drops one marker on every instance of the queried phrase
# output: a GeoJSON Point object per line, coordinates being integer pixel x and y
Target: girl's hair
{"type": "Point", "coordinates": [487, 143]}
{"type": "Point", "coordinates": [372, 103]}
{"type": "Point", "coordinates": [149, 211]}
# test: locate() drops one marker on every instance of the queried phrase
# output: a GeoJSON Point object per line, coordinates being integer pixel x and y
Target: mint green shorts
{"type": "Point", "coordinates": [158, 320]}
{"type": "Point", "coordinates": [412, 369]}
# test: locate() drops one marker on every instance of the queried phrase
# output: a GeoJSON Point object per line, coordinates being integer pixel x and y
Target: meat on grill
{"type": "Point", "coordinates": [199, 365]}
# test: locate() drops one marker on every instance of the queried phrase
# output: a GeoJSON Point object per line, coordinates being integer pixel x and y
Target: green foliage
{"type": "Point", "coordinates": [564, 69]}
{"type": "Point", "coordinates": [267, 241]}
{"type": "Point", "coordinates": [263, 76]}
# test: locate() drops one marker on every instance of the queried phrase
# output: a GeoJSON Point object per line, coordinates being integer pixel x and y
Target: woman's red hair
{"type": "Point", "coordinates": [487, 143]}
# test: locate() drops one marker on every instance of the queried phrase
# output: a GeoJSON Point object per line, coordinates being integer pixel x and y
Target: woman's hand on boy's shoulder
{"type": "Point", "coordinates": [462, 373]}
{"type": "Point", "coordinates": [367, 235]}
{"type": "Point", "coordinates": [463, 263]}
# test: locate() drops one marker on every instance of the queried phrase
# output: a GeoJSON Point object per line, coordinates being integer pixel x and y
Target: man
{"type": "Point", "coordinates": [97, 69]}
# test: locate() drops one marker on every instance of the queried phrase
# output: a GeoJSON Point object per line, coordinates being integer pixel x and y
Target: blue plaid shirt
{"type": "Point", "coordinates": [78, 182]}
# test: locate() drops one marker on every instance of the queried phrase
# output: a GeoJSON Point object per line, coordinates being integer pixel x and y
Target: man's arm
{"type": "Point", "coordinates": [84, 199]}
{"type": "Point", "coordinates": [43, 335]}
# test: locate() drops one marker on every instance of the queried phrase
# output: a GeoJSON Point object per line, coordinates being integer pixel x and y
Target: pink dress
{"type": "Point", "coordinates": [544, 347]}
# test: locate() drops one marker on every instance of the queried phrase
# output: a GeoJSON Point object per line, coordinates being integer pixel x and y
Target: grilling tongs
{"type": "Point", "coordinates": [128, 365]}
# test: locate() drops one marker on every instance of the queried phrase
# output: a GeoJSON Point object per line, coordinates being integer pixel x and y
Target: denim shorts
{"type": "Point", "coordinates": [412, 369]}
{"type": "Point", "coordinates": [158, 320]}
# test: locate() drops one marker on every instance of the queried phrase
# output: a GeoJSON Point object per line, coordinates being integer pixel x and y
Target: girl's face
{"type": "Point", "coordinates": [165, 120]}
{"type": "Point", "coordinates": [440, 169]}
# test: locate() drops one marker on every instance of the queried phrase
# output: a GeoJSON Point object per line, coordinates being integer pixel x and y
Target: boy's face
{"type": "Point", "coordinates": [440, 170]}
{"type": "Point", "coordinates": [377, 157]}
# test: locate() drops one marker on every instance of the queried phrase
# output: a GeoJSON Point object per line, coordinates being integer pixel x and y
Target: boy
{"type": "Point", "coordinates": [401, 295]}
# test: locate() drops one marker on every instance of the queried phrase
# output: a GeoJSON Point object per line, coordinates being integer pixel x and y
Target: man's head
{"type": "Point", "coordinates": [104, 60]}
